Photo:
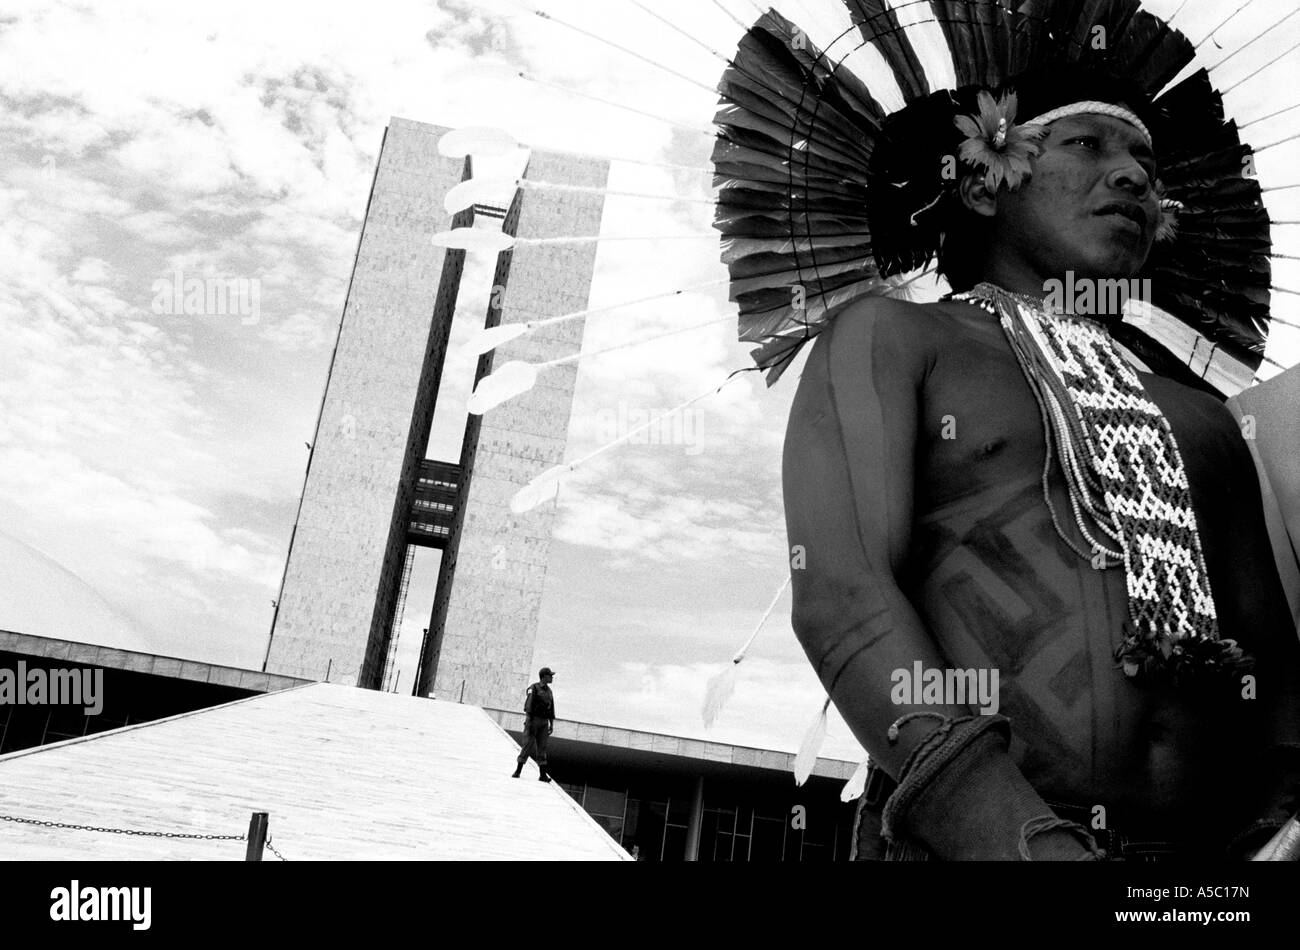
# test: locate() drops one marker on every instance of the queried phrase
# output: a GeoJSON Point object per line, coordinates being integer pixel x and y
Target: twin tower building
{"type": "Point", "coordinates": [370, 494]}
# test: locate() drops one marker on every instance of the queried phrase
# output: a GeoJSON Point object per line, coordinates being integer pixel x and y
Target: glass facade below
{"type": "Point", "coordinates": [739, 822]}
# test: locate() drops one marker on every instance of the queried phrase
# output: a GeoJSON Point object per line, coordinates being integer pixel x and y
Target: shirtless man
{"type": "Point", "coordinates": [913, 480]}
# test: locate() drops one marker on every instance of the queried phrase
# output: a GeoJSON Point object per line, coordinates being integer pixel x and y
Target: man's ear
{"type": "Point", "coordinates": [978, 196]}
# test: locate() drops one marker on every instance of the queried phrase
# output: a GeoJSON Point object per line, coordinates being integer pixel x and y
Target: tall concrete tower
{"type": "Point", "coordinates": [370, 494]}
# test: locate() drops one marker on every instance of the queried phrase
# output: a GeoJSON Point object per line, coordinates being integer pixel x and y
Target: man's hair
{"type": "Point", "coordinates": [964, 246]}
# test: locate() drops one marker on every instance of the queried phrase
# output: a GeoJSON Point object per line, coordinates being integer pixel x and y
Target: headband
{"type": "Point", "coordinates": [1091, 107]}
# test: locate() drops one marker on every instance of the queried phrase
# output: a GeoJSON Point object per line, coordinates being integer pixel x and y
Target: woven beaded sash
{"type": "Point", "coordinates": [1125, 473]}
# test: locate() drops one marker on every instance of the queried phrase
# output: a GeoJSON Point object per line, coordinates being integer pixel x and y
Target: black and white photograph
{"type": "Point", "coordinates": [496, 432]}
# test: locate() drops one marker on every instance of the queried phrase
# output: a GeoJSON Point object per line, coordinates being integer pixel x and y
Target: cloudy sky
{"type": "Point", "coordinates": [151, 461]}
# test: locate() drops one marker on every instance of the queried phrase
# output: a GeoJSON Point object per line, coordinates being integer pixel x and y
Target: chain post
{"type": "Point", "coordinates": [257, 826]}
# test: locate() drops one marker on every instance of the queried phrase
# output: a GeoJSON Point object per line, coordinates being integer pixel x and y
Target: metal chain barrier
{"type": "Point", "coordinates": [267, 844]}
{"type": "Point", "coordinates": [124, 831]}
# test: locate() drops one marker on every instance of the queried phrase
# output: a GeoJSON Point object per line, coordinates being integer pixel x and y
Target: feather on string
{"type": "Point", "coordinates": [857, 783]}
{"type": "Point", "coordinates": [723, 683]}
{"type": "Point", "coordinates": [811, 746]}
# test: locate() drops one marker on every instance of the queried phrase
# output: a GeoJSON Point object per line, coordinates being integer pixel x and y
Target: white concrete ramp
{"type": "Point", "coordinates": [345, 773]}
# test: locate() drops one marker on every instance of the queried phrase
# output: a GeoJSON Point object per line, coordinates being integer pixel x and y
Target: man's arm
{"type": "Point", "coordinates": [528, 703]}
{"type": "Point", "coordinates": [849, 487]}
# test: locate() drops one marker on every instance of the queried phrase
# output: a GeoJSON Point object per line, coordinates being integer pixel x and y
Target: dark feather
{"type": "Point", "coordinates": [879, 26]}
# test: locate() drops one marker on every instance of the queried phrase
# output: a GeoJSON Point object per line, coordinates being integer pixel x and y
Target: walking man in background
{"type": "Point", "coordinates": [539, 723]}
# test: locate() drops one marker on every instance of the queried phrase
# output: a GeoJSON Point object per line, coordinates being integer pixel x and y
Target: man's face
{"type": "Point", "coordinates": [547, 679]}
{"type": "Point", "coordinates": [1090, 206]}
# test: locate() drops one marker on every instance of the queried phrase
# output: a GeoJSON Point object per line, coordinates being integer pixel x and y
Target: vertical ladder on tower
{"type": "Point", "coordinates": [390, 661]}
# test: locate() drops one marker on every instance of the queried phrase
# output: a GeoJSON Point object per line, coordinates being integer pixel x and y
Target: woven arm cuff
{"type": "Point", "coordinates": [931, 756]}
{"type": "Point", "coordinates": [962, 797]}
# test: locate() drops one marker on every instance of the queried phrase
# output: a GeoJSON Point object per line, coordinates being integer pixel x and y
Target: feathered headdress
{"type": "Point", "coordinates": [822, 188]}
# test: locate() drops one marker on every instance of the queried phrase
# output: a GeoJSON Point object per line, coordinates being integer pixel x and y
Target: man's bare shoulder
{"type": "Point", "coordinates": [901, 333]}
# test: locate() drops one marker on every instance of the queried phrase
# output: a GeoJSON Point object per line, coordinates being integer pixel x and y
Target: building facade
{"type": "Point", "coordinates": [371, 495]}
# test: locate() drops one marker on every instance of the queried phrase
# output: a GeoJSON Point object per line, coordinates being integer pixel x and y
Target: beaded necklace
{"type": "Point", "coordinates": [1126, 482]}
